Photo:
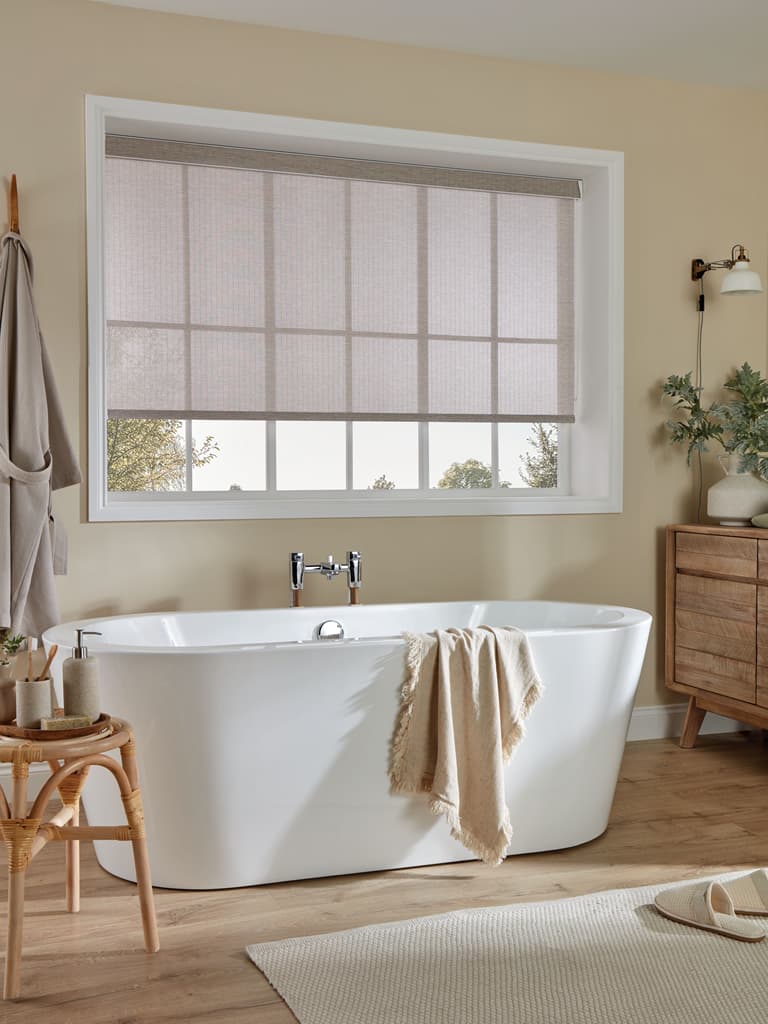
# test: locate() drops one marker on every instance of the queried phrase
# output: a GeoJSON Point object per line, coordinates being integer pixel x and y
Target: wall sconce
{"type": "Point", "coordinates": [739, 280]}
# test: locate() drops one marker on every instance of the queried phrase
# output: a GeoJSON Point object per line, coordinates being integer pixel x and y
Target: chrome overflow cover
{"type": "Point", "coordinates": [330, 630]}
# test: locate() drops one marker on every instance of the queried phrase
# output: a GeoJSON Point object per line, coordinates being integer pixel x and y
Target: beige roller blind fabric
{"type": "Point", "coordinates": [241, 284]}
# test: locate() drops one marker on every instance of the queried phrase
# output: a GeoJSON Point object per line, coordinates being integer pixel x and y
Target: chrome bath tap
{"type": "Point", "coordinates": [353, 567]}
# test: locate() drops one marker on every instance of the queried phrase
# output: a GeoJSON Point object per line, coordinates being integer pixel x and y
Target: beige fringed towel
{"type": "Point", "coordinates": [465, 697]}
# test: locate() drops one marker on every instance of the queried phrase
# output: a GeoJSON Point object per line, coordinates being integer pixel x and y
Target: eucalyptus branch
{"type": "Point", "coordinates": [739, 425]}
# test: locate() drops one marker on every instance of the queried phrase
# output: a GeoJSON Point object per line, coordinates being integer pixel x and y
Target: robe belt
{"type": "Point", "coordinates": [10, 471]}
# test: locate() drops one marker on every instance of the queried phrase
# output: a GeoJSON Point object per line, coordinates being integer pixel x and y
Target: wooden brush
{"type": "Point", "coordinates": [48, 660]}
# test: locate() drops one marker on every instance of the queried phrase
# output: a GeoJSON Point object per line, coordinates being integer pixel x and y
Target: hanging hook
{"type": "Point", "coordinates": [13, 206]}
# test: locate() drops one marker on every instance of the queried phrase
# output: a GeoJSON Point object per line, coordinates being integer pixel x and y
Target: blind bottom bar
{"type": "Point", "coordinates": [363, 417]}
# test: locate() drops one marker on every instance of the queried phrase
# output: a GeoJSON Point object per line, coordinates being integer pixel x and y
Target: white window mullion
{"type": "Point", "coordinates": [349, 381]}
{"type": "Point", "coordinates": [270, 440]}
{"type": "Point", "coordinates": [187, 327]}
{"type": "Point", "coordinates": [270, 433]}
{"type": "Point", "coordinates": [423, 456]}
{"type": "Point", "coordinates": [188, 442]}
{"type": "Point", "coordinates": [494, 300]}
{"type": "Point", "coordinates": [422, 330]}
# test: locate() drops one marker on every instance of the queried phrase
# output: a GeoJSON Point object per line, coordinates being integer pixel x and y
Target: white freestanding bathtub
{"type": "Point", "coordinates": [263, 752]}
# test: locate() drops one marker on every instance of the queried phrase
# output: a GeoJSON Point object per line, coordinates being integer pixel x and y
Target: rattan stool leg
{"type": "Point", "coordinates": [72, 861]}
{"type": "Point", "coordinates": [18, 835]}
{"type": "Point", "coordinates": [146, 897]}
{"type": "Point", "coordinates": [70, 789]}
{"type": "Point", "coordinates": [135, 815]}
{"type": "Point", "coordinates": [12, 977]}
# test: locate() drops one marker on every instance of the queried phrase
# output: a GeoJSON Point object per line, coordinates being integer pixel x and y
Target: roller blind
{"type": "Point", "coordinates": [245, 284]}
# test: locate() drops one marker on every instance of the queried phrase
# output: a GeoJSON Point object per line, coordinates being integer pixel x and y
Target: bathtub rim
{"type": "Point", "coordinates": [63, 633]}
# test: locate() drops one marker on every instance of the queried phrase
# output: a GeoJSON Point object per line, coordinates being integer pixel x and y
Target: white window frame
{"type": "Point", "coordinates": [591, 456]}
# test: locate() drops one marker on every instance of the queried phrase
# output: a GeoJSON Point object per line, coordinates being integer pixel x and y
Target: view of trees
{"type": "Point", "coordinates": [539, 466]}
{"type": "Point", "coordinates": [381, 483]}
{"type": "Point", "coordinates": [470, 473]}
{"type": "Point", "coordinates": [148, 455]}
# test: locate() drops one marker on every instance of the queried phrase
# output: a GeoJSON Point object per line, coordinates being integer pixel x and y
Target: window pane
{"type": "Point", "coordinates": [386, 456]}
{"type": "Point", "coordinates": [459, 262]}
{"type": "Point", "coordinates": [528, 454]}
{"type": "Point", "coordinates": [383, 251]}
{"type": "Point", "coordinates": [146, 455]}
{"type": "Point", "coordinates": [143, 241]}
{"type": "Point", "coordinates": [145, 370]}
{"type": "Point", "coordinates": [227, 372]}
{"type": "Point", "coordinates": [459, 378]}
{"type": "Point", "coordinates": [226, 247]}
{"type": "Point", "coordinates": [228, 455]}
{"type": "Point", "coordinates": [377, 360]}
{"type": "Point", "coordinates": [459, 455]}
{"type": "Point", "coordinates": [311, 456]}
{"type": "Point", "coordinates": [309, 252]}
{"type": "Point", "coordinates": [528, 241]}
{"type": "Point", "coordinates": [310, 373]}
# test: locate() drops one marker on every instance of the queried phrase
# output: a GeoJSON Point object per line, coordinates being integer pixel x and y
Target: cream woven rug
{"type": "Point", "coordinates": [607, 958]}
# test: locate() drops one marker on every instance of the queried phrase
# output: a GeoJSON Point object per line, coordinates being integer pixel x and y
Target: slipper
{"type": "Point", "coordinates": [749, 893]}
{"type": "Point", "coordinates": [706, 905]}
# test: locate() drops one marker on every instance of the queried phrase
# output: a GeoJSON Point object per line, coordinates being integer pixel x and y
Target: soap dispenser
{"type": "Point", "coordinates": [80, 680]}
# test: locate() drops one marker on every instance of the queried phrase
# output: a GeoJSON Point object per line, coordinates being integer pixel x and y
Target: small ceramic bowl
{"type": "Point", "coordinates": [761, 520]}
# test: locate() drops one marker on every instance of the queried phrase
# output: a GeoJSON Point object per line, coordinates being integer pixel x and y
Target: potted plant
{"type": "Point", "coordinates": [9, 648]}
{"type": "Point", "coordinates": [741, 427]}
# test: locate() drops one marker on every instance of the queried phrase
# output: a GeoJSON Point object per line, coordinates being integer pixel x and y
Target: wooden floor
{"type": "Point", "coordinates": [678, 814]}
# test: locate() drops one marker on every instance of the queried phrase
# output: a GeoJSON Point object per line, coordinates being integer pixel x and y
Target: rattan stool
{"type": "Point", "coordinates": [25, 834]}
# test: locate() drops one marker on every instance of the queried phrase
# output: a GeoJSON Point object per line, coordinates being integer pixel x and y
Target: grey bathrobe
{"type": "Point", "coordinates": [36, 455]}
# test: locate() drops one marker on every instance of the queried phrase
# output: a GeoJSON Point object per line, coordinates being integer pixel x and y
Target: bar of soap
{"type": "Point", "coordinates": [65, 722]}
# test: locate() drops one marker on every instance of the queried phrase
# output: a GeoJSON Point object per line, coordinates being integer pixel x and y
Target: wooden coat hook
{"type": "Point", "coordinates": [13, 206]}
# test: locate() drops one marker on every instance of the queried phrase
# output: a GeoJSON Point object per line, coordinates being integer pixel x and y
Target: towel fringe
{"type": "Point", "coordinates": [413, 655]}
{"type": "Point", "coordinates": [491, 855]}
{"type": "Point", "coordinates": [517, 732]}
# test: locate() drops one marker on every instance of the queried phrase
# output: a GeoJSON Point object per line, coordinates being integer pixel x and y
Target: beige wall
{"type": "Point", "coordinates": [696, 160]}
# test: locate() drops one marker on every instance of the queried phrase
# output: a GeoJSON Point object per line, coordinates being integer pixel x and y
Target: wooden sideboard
{"type": "Point", "coordinates": [717, 623]}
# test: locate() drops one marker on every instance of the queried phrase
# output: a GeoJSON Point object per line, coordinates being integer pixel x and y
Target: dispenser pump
{"type": "Point", "coordinates": [80, 650]}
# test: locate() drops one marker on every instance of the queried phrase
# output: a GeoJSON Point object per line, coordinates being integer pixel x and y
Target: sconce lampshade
{"type": "Point", "coordinates": [741, 280]}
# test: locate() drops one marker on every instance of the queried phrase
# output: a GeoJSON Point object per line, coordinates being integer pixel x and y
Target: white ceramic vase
{"type": "Point", "coordinates": [738, 496]}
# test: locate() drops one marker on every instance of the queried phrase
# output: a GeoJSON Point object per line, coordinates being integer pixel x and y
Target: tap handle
{"type": "Point", "coordinates": [355, 568]}
{"type": "Point", "coordinates": [297, 570]}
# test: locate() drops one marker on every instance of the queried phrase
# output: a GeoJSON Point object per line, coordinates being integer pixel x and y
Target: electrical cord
{"type": "Point", "coordinates": [698, 382]}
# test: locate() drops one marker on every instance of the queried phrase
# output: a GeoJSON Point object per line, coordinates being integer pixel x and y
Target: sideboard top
{"type": "Point", "coordinates": [721, 531]}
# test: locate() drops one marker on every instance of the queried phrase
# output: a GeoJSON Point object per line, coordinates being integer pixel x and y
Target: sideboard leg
{"type": "Point", "coordinates": [694, 716]}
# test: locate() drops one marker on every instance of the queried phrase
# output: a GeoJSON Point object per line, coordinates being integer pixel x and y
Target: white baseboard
{"type": "Point", "coordinates": [665, 720]}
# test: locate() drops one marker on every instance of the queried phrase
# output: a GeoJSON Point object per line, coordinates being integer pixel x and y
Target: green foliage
{"type": "Point", "coordinates": [468, 474]}
{"type": "Point", "coordinates": [745, 418]}
{"type": "Point", "coordinates": [539, 466]}
{"type": "Point", "coordinates": [12, 644]}
{"type": "Point", "coordinates": [148, 455]}
{"type": "Point", "coordinates": [740, 425]}
{"type": "Point", "coordinates": [381, 483]}
{"type": "Point", "coordinates": [700, 425]}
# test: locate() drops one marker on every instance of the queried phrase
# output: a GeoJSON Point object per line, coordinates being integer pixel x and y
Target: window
{"type": "Point", "coordinates": [320, 324]}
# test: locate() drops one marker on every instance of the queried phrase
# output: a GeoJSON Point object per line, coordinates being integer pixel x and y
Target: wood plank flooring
{"type": "Point", "coordinates": [678, 814]}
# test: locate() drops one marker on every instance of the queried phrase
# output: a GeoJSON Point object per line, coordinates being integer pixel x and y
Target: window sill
{"type": "Point", "coordinates": [326, 505]}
